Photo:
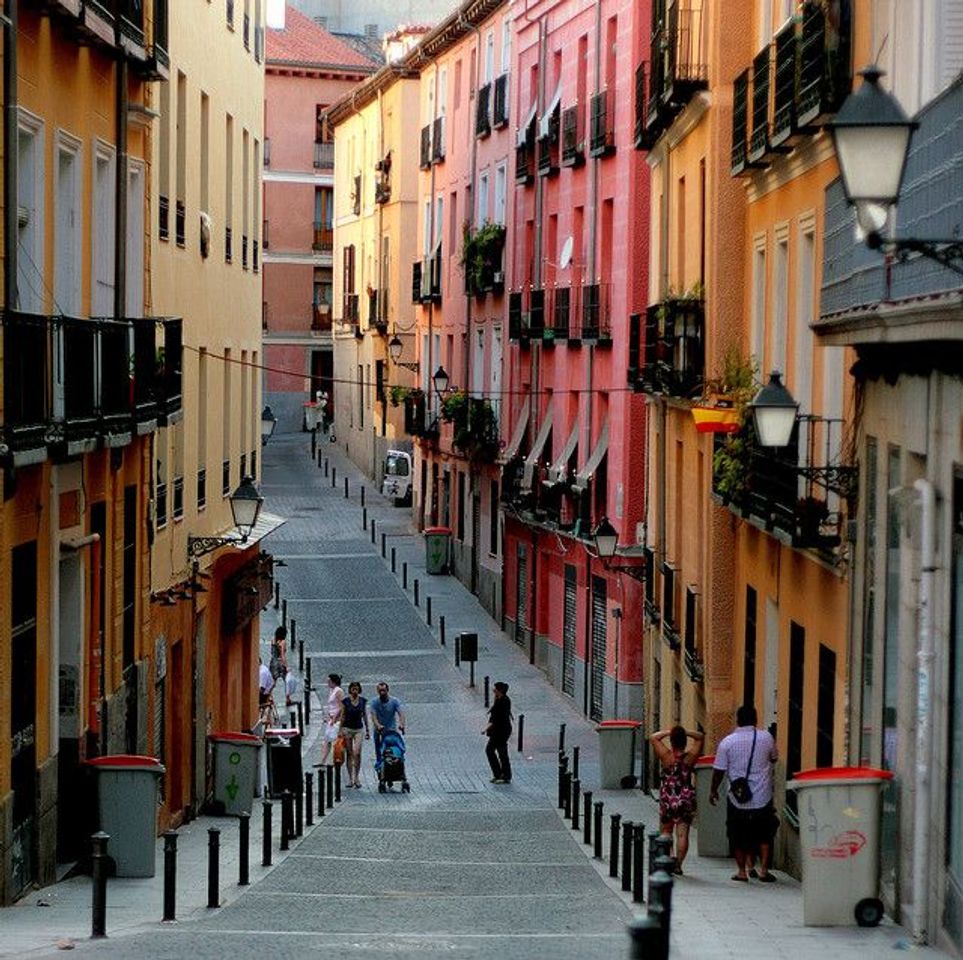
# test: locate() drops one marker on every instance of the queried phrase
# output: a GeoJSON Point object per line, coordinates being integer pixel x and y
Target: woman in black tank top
{"type": "Point", "coordinates": [354, 728]}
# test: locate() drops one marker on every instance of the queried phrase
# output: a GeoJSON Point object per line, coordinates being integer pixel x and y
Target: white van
{"type": "Point", "coordinates": [397, 481]}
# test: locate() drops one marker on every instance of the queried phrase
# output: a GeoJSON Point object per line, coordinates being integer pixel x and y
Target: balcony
{"type": "Point", "coordinates": [825, 65]}
{"type": "Point", "coordinates": [524, 164]}
{"type": "Point", "coordinates": [349, 309]}
{"type": "Point", "coordinates": [168, 376]}
{"type": "Point", "coordinates": [482, 260]}
{"type": "Point", "coordinates": [536, 313]}
{"type": "Point", "coordinates": [517, 332]}
{"type": "Point", "coordinates": [634, 369]}
{"type": "Point", "coordinates": [602, 136]}
{"type": "Point", "coordinates": [500, 106]}
{"type": "Point", "coordinates": [483, 124]}
{"type": "Point", "coordinates": [246, 31]}
{"type": "Point", "coordinates": [548, 144]}
{"type": "Point", "coordinates": [674, 352]}
{"type": "Point", "coordinates": [27, 367]}
{"type": "Point", "coordinates": [420, 421]}
{"type": "Point", "coordinates": [323, 241]}
{"type": "Point", "coordinates": [180, 217]}
{"type": "Point", "coordinates": [320, 317]}
{"type": "Point", "coordinates": [425, 157]}
{"type": "Point", "coordinates": [595, 314]}
{"type": "Point", "coordinates": [255, 256]}
{"type": "Point", "coordinates": [145, 375]}
{"type": "Point", "coordinates": [739, 158]}
{"type": "Point", "coordinates": [225, 477]}
{"type": "Point", "coordinates": [382, 189]}
{"type": "Point", "coordinates": [438, 140]}
{"type": "Point", "coordinates": [116, 401]}
{"type": "Point", "coordinates": [759, 111]}
{"type": "Point", "coordinates": [784, 88]}
{"type": "Point", "coordinates": [573, 145]}
{"type": "Point", "coordinates": [378, 310]}
{"type": "Point", "coordinates": [433, 268]}
{"type": "Point", "coordinates": [323, 155]}
{"type": "Point", "coordinates": [201, 489]}
{"type": "Point", "coordinates": [474, 426]}
{"type": "Point", "coordinates": [230, 13]}
{"type": "Point", "coordinates": [417, 284]}
{"type": "Point", "coordinates": [159, 62]}
{"type": "Point", "coordinates": [95, 22]}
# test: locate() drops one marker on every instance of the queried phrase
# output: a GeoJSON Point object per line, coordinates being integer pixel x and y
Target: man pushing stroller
{"type": "Point", "coordinates": [386, 714]}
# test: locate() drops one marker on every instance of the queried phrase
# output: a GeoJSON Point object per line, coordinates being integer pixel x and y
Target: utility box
{"type": "Point", "coordinates": [468, 647]}
{"type": "Point", "coordinates": [437, 549]}
{"type": "Point", "coordinates": [235, 771]}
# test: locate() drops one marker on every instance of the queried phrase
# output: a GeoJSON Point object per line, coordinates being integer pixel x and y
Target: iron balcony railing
{"type": "Point", "coordinates": [739, 158]}
{"type": "Point", "coordinates": [595, 313]}
{"type": "Point", "coordinates": [201, 489]}
{"type": "Point", "coordinates": [548, 146]}
{"type": "Point", "coordinates": [180, 219]}
{"type": "Point", "coordinates": [674, 348]}
{"type": "Point", "coordinates": [244, 250]}
{"type": "Point", "coordinates": [228, 245]}
{"type": "Point", "coordinates": [483, 123]}
{"type": "Point", "coordinates": [27, 370]}
{"type": "Point", "coordinates": [536, 312]}
{"type": "Point", "coordinates": [323, 237]}
{"type": "Point", "coordinates": [225, 477]}
{"type": "Point", "coordinates": [516, 331]}
{"type": "Point", "coordinates": [163, 217]}
{"type": "Point", "coordinates": [323, 155]}
{"type": "Point", "coordinates": [561, 316]}
{"type": "Point", "coordinates": [759, 135]}
{"type": "Point", "coordinates": [349, 308]}
{"type": "Point", "coordinates": [784, 94]}
{"type": "Point", "coordinates": [320, 317]}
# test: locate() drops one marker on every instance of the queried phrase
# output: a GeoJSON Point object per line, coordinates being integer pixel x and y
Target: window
{"type": "Point", "coordinates": [205, 152]}
{"type": "Point", "coordinates": [30, 219]}
{"type": "Point", "coordinates": [870, 721]}
{"type": "Point", "coordinates": [489, 68]}
{"type": "Point", "coordinates": [228, 186]}
{"type": "Point", "coordinates": [102, 227]}
{"type": "Point", "coordinates": [478, 364]}
{"type": "Point", "coordinates": [780, 307]}
{"type": "Point", "coordinates": [506, 45]}
{"type": "Point", "coordinates": [227, 413]}
{"type": "Point", "coordinates": [797, 662]}
{"type": "Point", "coordinates": [361, 396]}
{"type": "Point", "coordinates": [164, 163]}
{"type": "Point", "coordinates": [493, 518]}
{"type": "Point", "coordinates": [501, 179]}
{"type": "Point", "coordinates": [803, 347]}
{"type": "Point", "coordinates": [439, 221]}
{"type": "Point", "coordinates": [245, 399]}
{"type": "Point", "coordinates": [426, 233]}
{"type": "Point", "coordinates": [482, 199]}
{"type": "Point", "coordinates": [181, 168]}
{"type": "Point", "coordinates": [495, 371]}
{"type": "Point", "coordinates": [68, 217]}
{"type": "Point", "coordinates": [245, 195]}
{"type": "Point", "coordinates": [758, 318]}
{"type": "Point", "coordinates": [136, 175]}
{"type": "Point", "coordinates": [825, 707]}
{"type": "Point", "coordinates": [202, 417]}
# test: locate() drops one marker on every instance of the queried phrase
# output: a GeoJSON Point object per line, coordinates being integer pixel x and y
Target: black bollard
{"type": "Point", "coordinates": [362, 496]}
{"type": "Point", "coordinates": [660, 899]}
{"type": "Point", "coordinates": [322, 781]}
{"type": "Point", "coordinates": [587, 818]}
{"type": "Point", "coordinates": [648, 940]}
{"type": "Point", "coordinates": [457, 649]}
{"type": "Point", "coordinates": [346, 488]}
{"type": "Point", "coordinates": [575, 757]}
{"type": "Point", "coordinates": [614, 844]}
{"type": "Point", "coordinates": [638, 864]}
{"type": "Point", "coordinates": [441, 630]}
{"type": "Point", "coordinates": [394, 558]}
{"type": "Point", "coordinates": [293, 636]}
{"type": "Point", "coordinates": [337, 783]}
{"type": "Point", "coordinates": [277, 595]}
{"type": "Point", "coordinates": [309, 799]}
{"type": "Point", "coordinates": [364, 518]}
{"type": "Point", "coordinates": [307, 692]}
{"type": "Point", "coordinates": [284, 613]}
{"type": "Point", "coordinates": [299, 813]}
{"type": "Point", "coordinates": [561, 736]}
{"type": "Point", "coordinates": [319, 460]}
{"type": "Point", "coordinates": [334, 476]}
{"type": "Point", "coordinates": [653, 850]}
{"type": "Point", "coordinates": [300, 654]}
{"type": "Point", "coordinates": [374, 530]}
{"type": "Point", "coordinates": [662, 847]}
{"type": "Point", "coordinates": [627, 827]}
{"type": "Point", "coordinates": [521, 732]}
{"type": "Point", "coordinates": [562, 767]}
{"type": "Point", "coordinates": [576, 804]}
{"type": "Point", "coordinates": [325, 466]}
{"type": "Point", "coordinates": [665, 864]}
{"type": "Point", "coordinates": [266, 833]}
{"type": "Point", "coordinates": [170, 876]}
{"type": "Point", "coordinates": [404, 575]}
{"type": "Point", "coordinates": [213, 867]}
{"type": "Point", "coordinates": [301, 719]}
{"type": "Point", "coordinates": [416, 591]}
{"type": "Point", "coordinates": [384, 545]}
{"type": "Point", "coordinates": [98, 906]}
{"type": "Point", "coordinates": [487, 691]}
{"type": "Point", "coordinates": [293, 718]}
{"type": "Point", "coordinates": [599, 807]}
{"type": "Point", "coordinates": [428, 610]}
{"type": "Point", "coordinates": [567, 810]}
{"type": "Point", "coordinates": [329, 777]}
{"type": "Point", "coordinates": [286, 814]}
{"type": "Point", "coordinates": [244, 853]}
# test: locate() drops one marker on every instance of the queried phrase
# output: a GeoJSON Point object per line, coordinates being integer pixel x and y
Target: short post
{"type": "Point", "coordinates": [648, 940]}
{"type": "Point", "coordinates": [638, 864]}
{"type": "Point", "coordinates": [428, 610]}
{"type": "Point", "coordinates": [213, 867]}
{"type": "Point", "coordinates": [404, 575]}
{"type": "Point", "coordinates": [567, 810]}
{"type": "Point", "coordinates": [614, 844]}
{"type": "Point", "coordinates": [293, 636]}
{"type": "Point", "coordinates": [300, 654]}
{"type": "Point", "coordinates": [373, 530]}
{"type": "Point", "coordinates": [170, 876]}
{"type": "Point", "coordinates": [244, 851]}
{"type": "Point", "coordinates": [98, 906]}
{"type": "Point", "coordinates": [362, 496]}
{"type": "Point", "coordinates": [284, 613]}
{"type": "Point", "coordinates": [345, 488]}
{"type": "Point", "coordinates": [364, 518]}
{"type": "Point", "coordinates": [599, 807]}
{"type": "Point", "coordinates": [394, 558]}
{"type": "Point", "coordinates": [441, 630]}
{"type": "Point", "coordinates": [662, 847]}
{"type": "Point", "coordinates": [299, 813]}
{"type": "Point", "coordinates": [300, 718]}
{"type": "Point", "coordinates": [488, 681]}
{"type": "Point", "coordinates": [562, 767]}
{"type": "Point", "coordinates": [384, 545]}
{"type": "Point", "coordinates": [471, 673]}
{"type": "Point", "coordinates": [320, 458]}
{"type": "Point", "coordinates": [293, 717]}
{"type": "Point", "coordinates": [325, 466]}
{"type": "Point", "coordinates": [653, 850]}
{"type": "Point", "coordinates": [307, 691]}
{"type": "Point", "coordinates": [660, 896]}
{"type": "Point", "coordinates": [521, 732]}
{"type": "Point", "coordinates": [416, 591]}
{"type": "Point", "coordinates": [561, 736]}
{"type": "Point", "coordinates": [627, 828]}
{"type": "Point", "coordinates": [457, 649]}
{"type": "Point", "coordinates": [309, 799]}
{"type": "Point", "coordinates": [266, 833]}
{"type": "Point", "coordinates": [665, 864]}
{"type": "Point", "coordinates": [334, 476]}
{"type": "Point", "coordinates": [337, 783]}
{"type": "Point", "coordinates": [322, 803]}
{"type": "Point", "coordinates": [575, 754]}
{"type": "Point", "coordinates": [277, 595]}
{"type": "Point", "coordinates": [329, 777]}
{"type": "Point", "coordinates": [285, 819]}
{"type": "Point", "coordinates": [576, 804]}
{"type": "Point", "coordinates": [587, 818]}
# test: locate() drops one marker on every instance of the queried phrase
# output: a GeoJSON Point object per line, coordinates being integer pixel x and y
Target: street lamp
{"type": "Point", "coordinates": [774, 412]}
{"type": "Point", "coordinates": [268, 424]}
{"type": "Point", "coordinates": [395, 349]}
{"type": "Point", "coordinates": [246, 503]}
{"type": "Point", "coordinates": [872, 134]}
{"type": "Point", "coordinates": [440, 380]}
{"type": "Point", "coordinates": [606, 544]}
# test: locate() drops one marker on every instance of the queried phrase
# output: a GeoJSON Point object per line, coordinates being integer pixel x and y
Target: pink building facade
{"type": "Point", "coordinates": [307, 69]}
{"type": "Point", "coordinates": [577, 266]}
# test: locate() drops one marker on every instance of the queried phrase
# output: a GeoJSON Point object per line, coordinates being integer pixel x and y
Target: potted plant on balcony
{"type": "Point", "coordinates": [731, 467]}
{"type": "Point", "coordinates": [398, 394]}
{"type": "Point", "coordinates": [475, 426]}
{"type": "Point", "coordinates": [811, 513]}
{"type": "Point", "coordinates": [726, 398]}
{"type": "Point", "coordinates": [481, 257]}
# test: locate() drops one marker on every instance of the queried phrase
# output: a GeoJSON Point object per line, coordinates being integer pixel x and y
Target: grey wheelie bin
{"type": "Point", "coordinates": [712, 840]}
{"type": "Point", "coordinates": [618, 742]}
{"type": "Point", "coordinates": [236, 758]}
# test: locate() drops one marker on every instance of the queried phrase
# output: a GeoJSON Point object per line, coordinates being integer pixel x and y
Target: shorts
{"type": "Point", "coordinates": [351, 735]}
{"type": "Point", "coordinates": [749, 829]}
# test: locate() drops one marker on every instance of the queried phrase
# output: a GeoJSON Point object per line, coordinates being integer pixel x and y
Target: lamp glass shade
{"type": "Point", "coordinates": [395, 347]}
{"type": "Point", "coordinates": [606, 539]}
{"type": "Point", "coordinates": [440, 380]}
{"type": "Point", "coordinates": [246, 502]}
{"type": "Point", "coordinates": [268, 423]}
{"type": "Point", "coordinates": [774, 413]}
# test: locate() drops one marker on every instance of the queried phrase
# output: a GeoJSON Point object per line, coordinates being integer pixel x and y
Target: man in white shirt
{"type": "Point", "coordinates": [265, 685]}
{"type": "Point", "coordinates": [747, 754]}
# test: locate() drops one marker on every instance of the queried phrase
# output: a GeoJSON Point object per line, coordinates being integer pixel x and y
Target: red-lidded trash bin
{"type": "Point", "coordinates": [839, 814]}
{"type": "Point", "coordinates": [235, 771]}
{"type": "Point", "coordinates": [712, 839]}
{"type": "Point", "coordinates": [127, 810]}
{"type": "Point", "coordinates": [437, 549]}
{"type": "Point", "coordinates": [618, 740]}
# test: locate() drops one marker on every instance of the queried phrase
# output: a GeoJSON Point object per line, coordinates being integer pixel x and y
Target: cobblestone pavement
{"type": "Point", "coordinates": [459, 867]}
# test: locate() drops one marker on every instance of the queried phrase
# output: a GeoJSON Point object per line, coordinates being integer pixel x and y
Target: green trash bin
{"type": "Point", "coordinates": [437, 549]}
{"type": "Point", "coordinates": [236, 758]}
{"type": "Point", "coordinates": [617, 744]}
{"type": "Point", "coordinates": [127, 808]}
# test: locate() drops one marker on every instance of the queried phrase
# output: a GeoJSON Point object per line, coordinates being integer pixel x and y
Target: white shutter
{"type": "Point", "coordinates": [950, 35]}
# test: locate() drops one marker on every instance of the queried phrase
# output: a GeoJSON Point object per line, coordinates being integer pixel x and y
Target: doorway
{"type": "Point", "coordinates": [69, 694]}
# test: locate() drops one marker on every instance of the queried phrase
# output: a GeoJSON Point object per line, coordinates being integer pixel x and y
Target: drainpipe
{"type": "Point", "coordinates": [120, 189]}
{"type": "Point", "coordinates": [10, 298]}
{"type": "Point", "coordinates": [472, 184]}
{"type": "Point", "coordinates": [924, 718]}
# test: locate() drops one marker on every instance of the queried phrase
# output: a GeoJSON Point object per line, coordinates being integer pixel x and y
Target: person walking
{"type": "Point", "coordinates": [746, 757]}
{"type": "Point", "coordinates": [354, 729]}
{"type": "Point", "coordinates": [332, 718]}
{"type": "Point", "coordinates": [677, 796]}
{"type": "Point", "coordinates": [279, 653]}
{"type": "Point", "coordinates": [386, 714]}
{"type": "Point", "coordinates": [498, 731]}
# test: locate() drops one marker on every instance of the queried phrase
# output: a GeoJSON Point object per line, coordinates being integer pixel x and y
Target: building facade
{"type": "Point", "coordinates": [307, 70]}
{"type": "Point", "coordinates": [577, 263]}
{"type": "Point", "coordinates": [84, 390]}
{"type": "Point", "coordinates": [372, 18]}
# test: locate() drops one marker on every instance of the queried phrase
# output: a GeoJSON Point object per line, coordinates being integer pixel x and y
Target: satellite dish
{"type": "Point", "coordinates": [566, 258]}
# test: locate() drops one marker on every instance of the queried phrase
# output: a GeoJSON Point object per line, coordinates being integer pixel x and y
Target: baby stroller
{"type": "Point", "coordinates": [392, 762]}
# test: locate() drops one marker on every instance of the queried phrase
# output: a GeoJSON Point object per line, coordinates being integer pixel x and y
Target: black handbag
{"type": "Point", "coordinates": [739, 788]}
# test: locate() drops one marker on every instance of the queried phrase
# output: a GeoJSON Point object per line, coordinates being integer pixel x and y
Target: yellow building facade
{"type": "Point", "coordinates": [375, 229]}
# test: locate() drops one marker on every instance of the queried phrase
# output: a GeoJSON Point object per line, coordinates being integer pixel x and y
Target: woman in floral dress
{"type": "Point", "coordinates": [677, 796]}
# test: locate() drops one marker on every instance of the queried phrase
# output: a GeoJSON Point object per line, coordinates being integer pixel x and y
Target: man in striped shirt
{"type": "Point", "coordinates": [751, 824]}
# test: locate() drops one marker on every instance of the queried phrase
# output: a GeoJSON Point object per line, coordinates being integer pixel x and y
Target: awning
{"type": "Point", "coordinates": [553, 105]}
{"type": "Point", "coordinates": [532, 459]}
{"type": "Point", "coordinates": [266, 523]}
{"type": "Point", "coordinates": [525, 126]}
{"type": "Point", "coordinates": [558, 470]}
{"type": "Point", "coordinates": [518, 434]}
{"type": "Point", "coordinates": [592, 464]}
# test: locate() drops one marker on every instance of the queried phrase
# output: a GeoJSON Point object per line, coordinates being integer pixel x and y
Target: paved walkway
{"type": "Point", "coordinates": [459, 867]}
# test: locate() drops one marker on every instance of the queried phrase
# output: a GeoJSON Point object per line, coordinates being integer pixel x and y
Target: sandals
{"type": "Point", "coordinates": [739, 879]}
{"type": "Point", "coordinates": [767, 878]}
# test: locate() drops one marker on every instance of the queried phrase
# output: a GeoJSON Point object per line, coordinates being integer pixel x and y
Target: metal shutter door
{"type": "Point", "coordinates": [568, 631]}
{"type": "Point", "coordinates": [599, 627]}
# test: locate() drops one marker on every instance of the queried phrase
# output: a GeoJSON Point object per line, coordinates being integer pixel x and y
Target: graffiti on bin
{"type": "Point", "coordinates": [843, 845]}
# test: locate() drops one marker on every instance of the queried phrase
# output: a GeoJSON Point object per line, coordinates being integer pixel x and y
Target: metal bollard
{"type": "Point", "coordinates": [648, 939]}
{"type": "Point", "coordinates": [587, 818]}
{"type": "Point", "coordinates": [562, 767]}
{"type": "Point", "coordinates": [346, 488]}
{"type": "Point", "coordinates": [487, 691]}
{"type": "Point", "coordinates": [362, 496]}
{"type": "Point", "coordinates": [665, 864]}
{"type": "Point", "coordinates": [293, 718]}
{"type": "Point", "coordinates": [661, 847]}
{"type": "Point", "coordinates": [329, 777]}
{"type": "Point", "coordinates": [364, 518]}
{"type": "Point", "coordinates": [325, 466]}
{"type": "Point", "coordinates": [441, 630]}
{"type": "Point", "coordinates": [244, 853]}
{"type": "Point", "coordinates": [300, 654]}
{"type": "Point", "coordinates": [575, 756]}
{"type": "Point", "coordinates": [320, 458]}
{"type": "Point", "coordinates": [653, 851]}
{"type": "Point", "coordinates": [98, 906]}
{"type": "Point", "coordinates": [293, 636]}
{"type": "Point", "coordinates": [394, 558]}
{"type": "Point", "coordinates": [334, 476]}
{"type": "Point", "coordinates": [660, 896]}
{"type": "Point", "coordinates": [457, 649]}
{"type": "Point", "coordinates": [309, 799]}
{"type": "Point", "coordinates": [614, 819]}
{"type": "Point", "coordinates": [284, 613]}
{"type": "Point", "coordinates": [521, 732]}
{"type": "Point", "coordinates": [322, 780]}
{"type": "Point", "coordinates": [170, 876]}
{"type": "Point", "coordinates": [266, 833]}
{"type": "Point", "coordinates": [374, 529]}
{"type": "Point", "coordinates": [599, 807]}
{"type": "Point", "coordinates": [561, 736]}
{"type": "Point", "coordinates": [286, 816]}
{"type": "Point", "coordinates": [301, 718]}
{"type": "Point", "coordinates": [307, 692]}
{"type": "Point", "coordinates": [576, 804]}
{"type": "Point", "coordinates": [213, 867]}
{"type": "Point", "coordinates": [384, 545]}
{"type": "Point", "coordinates": [404, 575]}
{"type": "Point", "coordinates": [627, 828]}
{"type": "Point", "coordinates": [428, 610]}
{"type": "Point", "coordinates": [567, 809]}
{"type": "Point", "coordinates": [337, 783]}
{"type": "Point", "coordinates": [416, 591]}
{"type": "Point", "coordinates": [299, 814]}
{"type": "Point", "coordinates": [638, 864]}
{"type": "Point", "coordinates": [277, 595]}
